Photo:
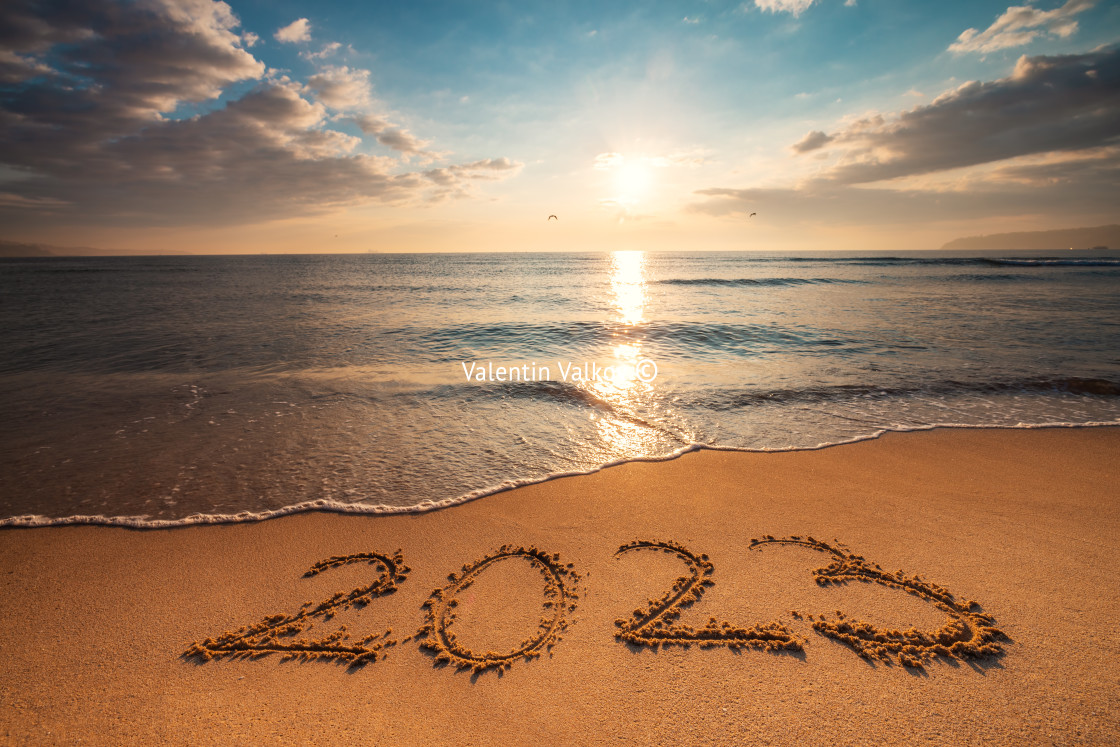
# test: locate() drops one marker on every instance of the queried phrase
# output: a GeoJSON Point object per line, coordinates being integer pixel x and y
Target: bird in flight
{"type": "Point", "coordinates": [753, 215]}
{"type": "Point", "coordinates": [551, 217]}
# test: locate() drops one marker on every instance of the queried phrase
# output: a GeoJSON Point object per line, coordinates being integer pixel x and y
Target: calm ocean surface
{"type": "Point", "coordinates": [161, 388]}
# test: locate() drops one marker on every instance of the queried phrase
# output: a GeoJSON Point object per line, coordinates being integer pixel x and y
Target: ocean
{"type": "Point", "coordinates": [156, 391]}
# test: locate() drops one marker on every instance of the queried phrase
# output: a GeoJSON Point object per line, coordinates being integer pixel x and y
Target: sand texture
{"type": "Point", "coordinates": [945, 587]}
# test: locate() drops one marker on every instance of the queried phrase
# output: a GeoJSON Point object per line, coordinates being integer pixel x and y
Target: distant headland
{"type": "Point", "coordinates": [1101, 237]}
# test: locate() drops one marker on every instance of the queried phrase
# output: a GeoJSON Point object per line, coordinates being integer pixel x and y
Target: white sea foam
{"type": "Point", "coordinates": [328, 505]}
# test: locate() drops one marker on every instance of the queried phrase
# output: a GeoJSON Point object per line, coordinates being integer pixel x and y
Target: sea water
{"type": "Point", "coordinates": [163, 390]}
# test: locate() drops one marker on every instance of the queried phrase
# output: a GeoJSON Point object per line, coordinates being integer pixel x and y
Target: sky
{"type": "Point", "coordinates": [283, 126]}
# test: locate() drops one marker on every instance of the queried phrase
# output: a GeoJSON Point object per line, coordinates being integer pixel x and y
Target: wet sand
{"type": "Point", "coordinates": [547, 631]}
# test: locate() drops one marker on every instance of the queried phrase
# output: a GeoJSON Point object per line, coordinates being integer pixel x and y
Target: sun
{"type": "Point", "coordinates": [633, 181]}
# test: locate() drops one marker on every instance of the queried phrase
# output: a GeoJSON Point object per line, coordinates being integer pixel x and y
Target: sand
{"type": "Point", "coordinates": [519, 617]}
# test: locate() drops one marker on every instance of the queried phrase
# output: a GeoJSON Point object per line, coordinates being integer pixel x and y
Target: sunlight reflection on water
{"type": "Point", "coordinates": [628, 285]}
{"type": "Point", "coordinates": [624, 391]}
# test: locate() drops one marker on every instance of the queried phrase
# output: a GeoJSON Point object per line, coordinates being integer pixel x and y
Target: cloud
{"type": "Point", "coordinates": [391, 136]}
{"type": "Point", "coordinates": [608, 160]}
{"type": "Point", "coordinates": [1059, 103]}
{"type": "Point", "coordinates": [454, 181]}
{"type": "Point", "coordinates": [401, 140]}
{"type": "Point", "coordinates": [262, 156]}
{"type": "Point", "coordinates": [13, 200]}
{"type": "Point", "coordinates": [342, 88]}
{"type": "Point", "coordinates": [92, 127]}
{"type": "Point", "coordinates": [1042, 143]}
{"type": "Point", "coordinates": [812, 141]}
{"type": "Point", "coordinates": [488, 168]}
{"type": "Point", "coordinates": [1071, 170]}
{"type": "Point", "coordinates": [348, 90]}
{"type": "Point", "coordinates": [687, 159]}
{"type": "Point", "coordinates": [690, 159]}
{"type": "Point", "coordinates": [796, 7]}
{"type": "Point", "coordinates": [1064, 189]}
{"type": "Point", "coordinates": [104, 69]}
{"type": "Point", "coordinates": [326, 51]}
{"type": "Point", "coordinates": [15, 68]}
{"type": "Point", "coordinates": [296, 31]}
{"type": "Point", "coordinates": [1021, 24]}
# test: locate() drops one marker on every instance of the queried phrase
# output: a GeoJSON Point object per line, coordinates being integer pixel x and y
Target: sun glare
{"type": "Point", "coordinates": [632, 181]}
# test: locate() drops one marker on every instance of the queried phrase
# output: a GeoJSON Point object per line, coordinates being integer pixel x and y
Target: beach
{"type": "Point", "coordinates": [1022, 521]}
{"type": "Point", "coordinates": [497, 374]}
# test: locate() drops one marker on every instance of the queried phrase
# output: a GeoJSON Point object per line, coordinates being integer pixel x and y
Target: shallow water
{"type": "Point", "coordinates": [166, 387]}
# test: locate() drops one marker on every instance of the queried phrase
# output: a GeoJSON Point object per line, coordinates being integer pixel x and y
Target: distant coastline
{"type": "Point", "coordinates": [1063, 239]}
{"type": "Point", "coordinates": [1099, 238]}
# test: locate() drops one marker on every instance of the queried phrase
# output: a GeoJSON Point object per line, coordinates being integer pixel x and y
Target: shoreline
{"type": "Point", "coordinates": [326, 505]}
{"type": "Point", "coordinates": [1024, 521]}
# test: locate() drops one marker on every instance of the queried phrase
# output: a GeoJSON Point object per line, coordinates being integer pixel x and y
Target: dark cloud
{"type": "Point", "coordinates": [16, 68]}
{"type": "Point", "coordinates": [839, 205]}
{"type": "Point", "coordinates": [814, 140]}
{"type": "Point", "coordinates": [1098, 167]}
{"type": "Point", "coordinates": [128, 59]}
{"type": "Point", "coordinates": [1044, 141]}
{"type": "Point", "coordinates": [1047, 104]}
{"type": "Point", "coordinates": [260, 156]}
{"type": "Point", "coordinates": [91, 95]}
{"type": "Point", "coordinates": [1065, 187]}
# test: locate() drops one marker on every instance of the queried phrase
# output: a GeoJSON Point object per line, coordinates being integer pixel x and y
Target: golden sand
{"type": "Point", "coordinates": [628, 606]}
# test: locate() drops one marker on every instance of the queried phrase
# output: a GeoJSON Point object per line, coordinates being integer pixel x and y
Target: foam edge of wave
{"type": "Point", "coordinates": [362, 509]}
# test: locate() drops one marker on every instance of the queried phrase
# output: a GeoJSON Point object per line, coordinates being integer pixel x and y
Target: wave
{"type": "Point", "coordinates": [477, 340]}
{"type": "Point", "coordinates": [332, 506]}
{"type": "Point", "coordinates": [70, 265]}
{"type": "Point", "coordinates": [729, 400]}
{"type": "Point", "coordinates": [555, 391]}
{"type": "Point", "coordinates": [58, 270]}
{"type": "Point", "coordinates": [150, 348]}
{"type": "Point", "coordinates": [748, 282]}
{"type": "Point", "coordinates": [997, 277]}
{"type": "Point", "coordinates": [951, 261]}
{"type": "Point", "coordinates": [558, 392]}
{"type": "Point", "coordinates": [1057, 262]}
